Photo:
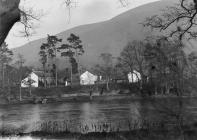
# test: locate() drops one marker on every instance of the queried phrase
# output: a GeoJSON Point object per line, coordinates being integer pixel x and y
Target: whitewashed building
{"type": "Point", "coordinates": [134, 76]}
{"type": "Point", "coordinates": [88, 78]}
{"type": "Point", "coordinates": [34, 80]}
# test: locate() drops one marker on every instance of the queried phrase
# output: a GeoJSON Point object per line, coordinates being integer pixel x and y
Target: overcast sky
{"type": "Point", "coordinates": [56, 18]}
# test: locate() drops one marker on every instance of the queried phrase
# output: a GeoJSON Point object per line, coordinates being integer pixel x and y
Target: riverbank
{"type": "Point", "coordinates": [85, 97]}
{"type": "Point", "coordinates": [61, 93]}
{"type": "Point", "coordinates": [67, 98]}
{"type": "Point", "coordinates": [187, 133]}
{"type": "Point", "coordinates": [76, 94]}
{"type": "Point", "coordinates": [88, 120]}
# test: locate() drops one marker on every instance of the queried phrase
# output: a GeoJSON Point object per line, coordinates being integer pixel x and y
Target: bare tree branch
{"type": "Point", "coordinates": [178, 20]}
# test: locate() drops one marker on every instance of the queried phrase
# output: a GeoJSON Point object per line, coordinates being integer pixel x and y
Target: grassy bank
{"type": "Point", "coordinates": [84, 97]}
{"type": "Point", "coordinates": [146, 131]}
{"type": "Point", "coordinates": [74, 94]}
{"type": "Point", "coordinates": [61, 94]}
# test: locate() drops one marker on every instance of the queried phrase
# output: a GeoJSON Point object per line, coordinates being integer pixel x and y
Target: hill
{"type": "Point", "coordinates": [108, 36]}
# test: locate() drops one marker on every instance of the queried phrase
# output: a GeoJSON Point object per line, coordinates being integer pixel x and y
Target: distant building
{"type": "Point", "coordinates": [50, 79]}
{"type": "Point", "coordinates": [134, 77]}
{"type": "Point", "coordinates": [120, 78]}
{"type": "Point", "coordinates": [33, 77]}
{"type": "Point", "coordinates": [88, 78]}
{"type": "Point", "coordinates": [38, 78]}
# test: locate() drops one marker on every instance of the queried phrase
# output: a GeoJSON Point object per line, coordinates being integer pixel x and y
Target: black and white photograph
{"type": "Point", "coordinates": [98, 69]}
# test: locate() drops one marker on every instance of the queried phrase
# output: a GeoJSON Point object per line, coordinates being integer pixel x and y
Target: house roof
{"type": "Point", "coordinates": [90, 71]}
{"type": "Point", "coordinates": [41, 74]}
{"type": "Point", "coordinates": [87, 73]}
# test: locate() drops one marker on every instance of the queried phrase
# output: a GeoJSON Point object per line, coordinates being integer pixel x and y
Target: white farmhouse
{"type": "Point", "coordinates": [134, 77]}
{"type": "Point", "coordinates": [33, 77]}
{"type": "Point", "coordinates": [88, 78]}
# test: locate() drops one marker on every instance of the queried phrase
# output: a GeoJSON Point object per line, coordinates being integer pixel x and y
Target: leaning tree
{"type": "Point", "coordinates": [12, 12]}
{"type": "Point", "coordinates": [9, 15]}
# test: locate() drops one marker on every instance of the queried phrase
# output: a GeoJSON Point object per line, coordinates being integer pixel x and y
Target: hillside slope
{"type": "Point", "coordinates": [109, 36]}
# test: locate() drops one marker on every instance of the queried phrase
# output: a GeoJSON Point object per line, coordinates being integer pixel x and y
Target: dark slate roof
{"type": "Point", "coordinates": [41, 74]}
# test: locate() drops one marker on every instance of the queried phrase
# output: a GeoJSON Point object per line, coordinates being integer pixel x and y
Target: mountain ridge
{"type": "Point", "coordinates": [106, 36]}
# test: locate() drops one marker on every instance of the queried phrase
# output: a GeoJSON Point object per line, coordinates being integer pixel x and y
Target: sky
{"type": "Point", "coordinates": [56, 18]}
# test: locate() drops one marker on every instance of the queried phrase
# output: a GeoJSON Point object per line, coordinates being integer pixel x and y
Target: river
{"type": "Point", "coordinates": [117, 113]}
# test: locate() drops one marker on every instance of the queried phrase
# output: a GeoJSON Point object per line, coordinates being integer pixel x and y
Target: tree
{"type": "Point", "coordinates": [12, 75]}
{"type": "Point", "coordinates": [72, 50]}
{"type": "Point", "coordinates": [192, 60]}
{"type": "Point", "coordinates": [11, 13]}
{"type": "Point", "coordinates": [132, 58]}
{"type": "Point", "coordinates": [67, 53]}
{"type": "Point", "coordinates": [166, 64]}
{"type": "Point", "coordinates": [191, 72]}
{"type": "Point", "coordinates": [106, 68]}
{"type": "Point", "coordinates": [52, 42]}
{"type": "Point", "coordinates": [9, 80]}
{"type": "Point", "coordinates": [48, 52]}
{"type": "Point", "coordinates": [43, 59]}
{"type": "Point", "coordinates": [180, 20]}
{"type": "Point", "coordinates": [20, 61]}
{"type": "Point", "coordinates": [124, 2]}
{"type": "Point", "coordinates": [76, 46]}
{"type": "Point", "coordinates": [5, 59]}
{"type": "Point", "coordinates": [30, 81]}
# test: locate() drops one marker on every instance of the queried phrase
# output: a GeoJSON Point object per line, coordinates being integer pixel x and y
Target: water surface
{"type": "Point", "coordinates": [117, 113]}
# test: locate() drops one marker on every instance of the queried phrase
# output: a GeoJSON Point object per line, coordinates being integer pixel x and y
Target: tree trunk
{"type": "Point", "coordinates": [156, 93]}
{"type": "Point", "coordinates": [9, 15]}
{"type": "Point", "coordinates": [107, 84]}
{"type": "Point", "coordinates": [9, 89]}
{"type": "Point", "coordinates": [20, 93]}
{"type": "Point", "coordinates": [167, 89]}
{"type": "Point", "coordinates": [44, 76]}
{"type": "Point", "coordinates": [132, 79]}
{"type": "Point", "coordinates": [56, 67]}
{"type": "Point", "coordinates": [71, 76]}
{"type": "Point", "coordinates": [3, 75]}
{"type": "Point", "coordinates": [142, 81]}
{"type": "Point", "coordinates": [77, 57]}
{"type": "Point", "coordinates": [56, 84]}
{"type": "Point", "coordinates": [20, 79]}
{"type": "Point", "coordinates": [30, 90]}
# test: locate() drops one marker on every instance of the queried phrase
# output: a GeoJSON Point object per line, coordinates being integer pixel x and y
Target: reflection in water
{"type": "Point", "coordinates": [76, 114]}
{"type": "Point", "coordinates": [1, 118]}
{"type": "Point", "coordinates": [20, 138]}
{"type": "Point", "coordinates": [33, 118]}
{"type": "Point", "coordinates": [135, 111]}
{"type": "Point", "coordinates": [90, 116]}
{"type": "Point", "coordinates": [79, 115]}
{"type": "Point", "coordinates": [33, 138]}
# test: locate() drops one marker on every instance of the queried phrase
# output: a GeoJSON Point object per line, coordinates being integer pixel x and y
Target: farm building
{"type": "Point", "coordinates": [37, 78]}
{"type": "Point", "coordinates": [31, 78]}
{"type": "Point", "coordinates": [88, 78]}
{"type": "Point", "coordinates": [134, 77]}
